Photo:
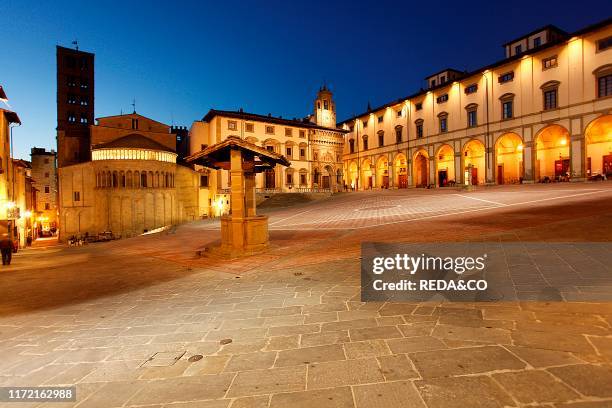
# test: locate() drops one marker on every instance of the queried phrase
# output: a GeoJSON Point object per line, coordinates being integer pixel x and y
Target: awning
{"type": "Point", "coordinates": [217, 156]}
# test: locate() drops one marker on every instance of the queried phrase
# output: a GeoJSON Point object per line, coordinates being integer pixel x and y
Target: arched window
{"type": "Point", "coordinates": [472, 115]}
{"type": "Point", "coordinates": [443, 122]}
{"type": "Point", "coordinates": [550, 94]}
{"type": "Point", "coordinates": [507, 102]}
{"type": "Point", "coordinates": [419, 128]}
{"type": "Point", "coordinates": [603, 76]}
{"type": "Point", "coordinates": [398, 133]}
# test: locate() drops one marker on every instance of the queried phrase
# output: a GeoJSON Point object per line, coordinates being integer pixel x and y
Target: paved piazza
{"type": "Point", "coordinates": [127, 321]}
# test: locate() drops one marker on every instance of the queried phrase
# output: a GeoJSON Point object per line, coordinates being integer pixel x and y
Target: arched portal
{"type": "Point", "coordinates": [421, 169]}
{"type": "Point", "coordinates": [328, 178]}
{"type": "Point", "coordinates": [474, 162]}
{"type": "Point", "coordinates": [445, 166]}
{"type": "Point", "coordinates": [366, 175]}
{"type": "Point", "coordinates": [509, 159]}
{"type": "Point", "coordinates": [598, 137]}
{"type": "Point", "coordinates": [400, 171]}
{"type": "Point", "coordinates": [552, 154]}
{"type": "Point", "coordinates": [382, 172]}
{"type": "Point", "coordinates": [353, 173]}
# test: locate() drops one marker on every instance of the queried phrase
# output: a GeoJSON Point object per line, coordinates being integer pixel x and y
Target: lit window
{"type": "Point", "coordinates": [507, 110]}
{"type": "Point", "coordinates": [604, 86]}
{"type": "Point", "coordinates": [232, 125]}
{"type": "Point", "coordinates": [604, 43]}
{"type": "Point", "coordinates": [472, 118]}
{"type": "Point", "coordinates": [471, 89]}
{"type": "Point", "coordinates": [507, 77]}
{"type": "Point", "coordinates": [549, 62]}
{"type": "Point", "coordinates": [443, 118]}
{"type": "Point", "coordinates": [398, 134]}
{"type": "Point", "coordinates": [442, 98]}
{"type": "Point", "coordinates": [550, 99]}
{"type": "Point", "coordinates": [419, 128]}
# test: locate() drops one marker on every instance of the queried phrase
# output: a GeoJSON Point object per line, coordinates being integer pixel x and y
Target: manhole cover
{"type": "Point", "coordinates": [225, 341]}
{"type": "Point", "coordinates": [195, 358]}
{"type": "Point", "coordinates": [163, 359]}
{"type": "Point", "coordinates": [379, 207]}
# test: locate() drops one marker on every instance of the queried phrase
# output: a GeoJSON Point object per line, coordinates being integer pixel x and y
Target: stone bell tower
{"type": "Point", "coordinates": [325, 108]}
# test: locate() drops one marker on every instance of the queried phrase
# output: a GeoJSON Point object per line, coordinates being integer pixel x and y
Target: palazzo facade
{"type": "Point", "coordinates": [543, 113]}
{"type": "Point", "coordinates": [313, 145]}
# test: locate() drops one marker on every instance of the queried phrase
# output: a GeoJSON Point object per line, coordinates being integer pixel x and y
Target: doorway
{"type": "Point", "coordinates": [403, 181]}
{"type": "Point", "coordinates": [562, 168]}
{"type": "Point", "coordinates": [442, 178]}
{"type": "Point", "coordinates": [270, 179]}
{"type": "Point", "coordinates": [500, 174]}
{"type": "Point", "coordinates": [326, 183]}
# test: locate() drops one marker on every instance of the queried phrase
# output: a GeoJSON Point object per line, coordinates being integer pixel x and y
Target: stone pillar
{"type": "Point", "coordinates": [577, 155]}
{"type": "Point", "coordinates": [409, 182]}
{"type": "Point", "coordinates": [529, 162]}
{"type": "Point", "coordinates": [391, 173]}
{"type": "Point", "coordinates": [489, 160]}
{"type": "Point", "coordinates": [237, 190]}
{"type": "Point", "coordinates": [432, 171]}
{"type": "Point", "coordinates": [458, 169]}
{"type": "Point", "coordinates": [249, 194]}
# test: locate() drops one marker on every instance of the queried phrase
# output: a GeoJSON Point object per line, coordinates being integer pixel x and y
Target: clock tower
{"type": "Point", "coordinates": [325, 108]}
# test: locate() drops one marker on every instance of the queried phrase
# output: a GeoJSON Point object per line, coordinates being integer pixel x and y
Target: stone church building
{"type": "Point", "coordinates": [132, 183]}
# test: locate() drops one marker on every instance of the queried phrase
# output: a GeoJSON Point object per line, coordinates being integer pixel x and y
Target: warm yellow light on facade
{"type": "Point", "coordinates": [10, 205]}
{"type": "Point", "coordinates": [563, 142]}
{"type": "Point", "coordinates": [519, 148]}
{"type": "Point", "coordinates": [27, 214]}
{"type": "Point", "coordinates": [133, 154]}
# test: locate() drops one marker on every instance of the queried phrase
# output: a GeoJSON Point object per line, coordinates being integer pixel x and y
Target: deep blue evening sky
{"type": "Point", "coordinates": [178, 59]}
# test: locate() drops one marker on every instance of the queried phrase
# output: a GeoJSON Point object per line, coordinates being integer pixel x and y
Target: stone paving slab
{"type": "Point", "coordinates": [288, 328]}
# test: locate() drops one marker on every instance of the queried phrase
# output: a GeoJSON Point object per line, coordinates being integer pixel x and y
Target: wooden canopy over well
{"type": "Point", "coordinates": [254, 158]}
